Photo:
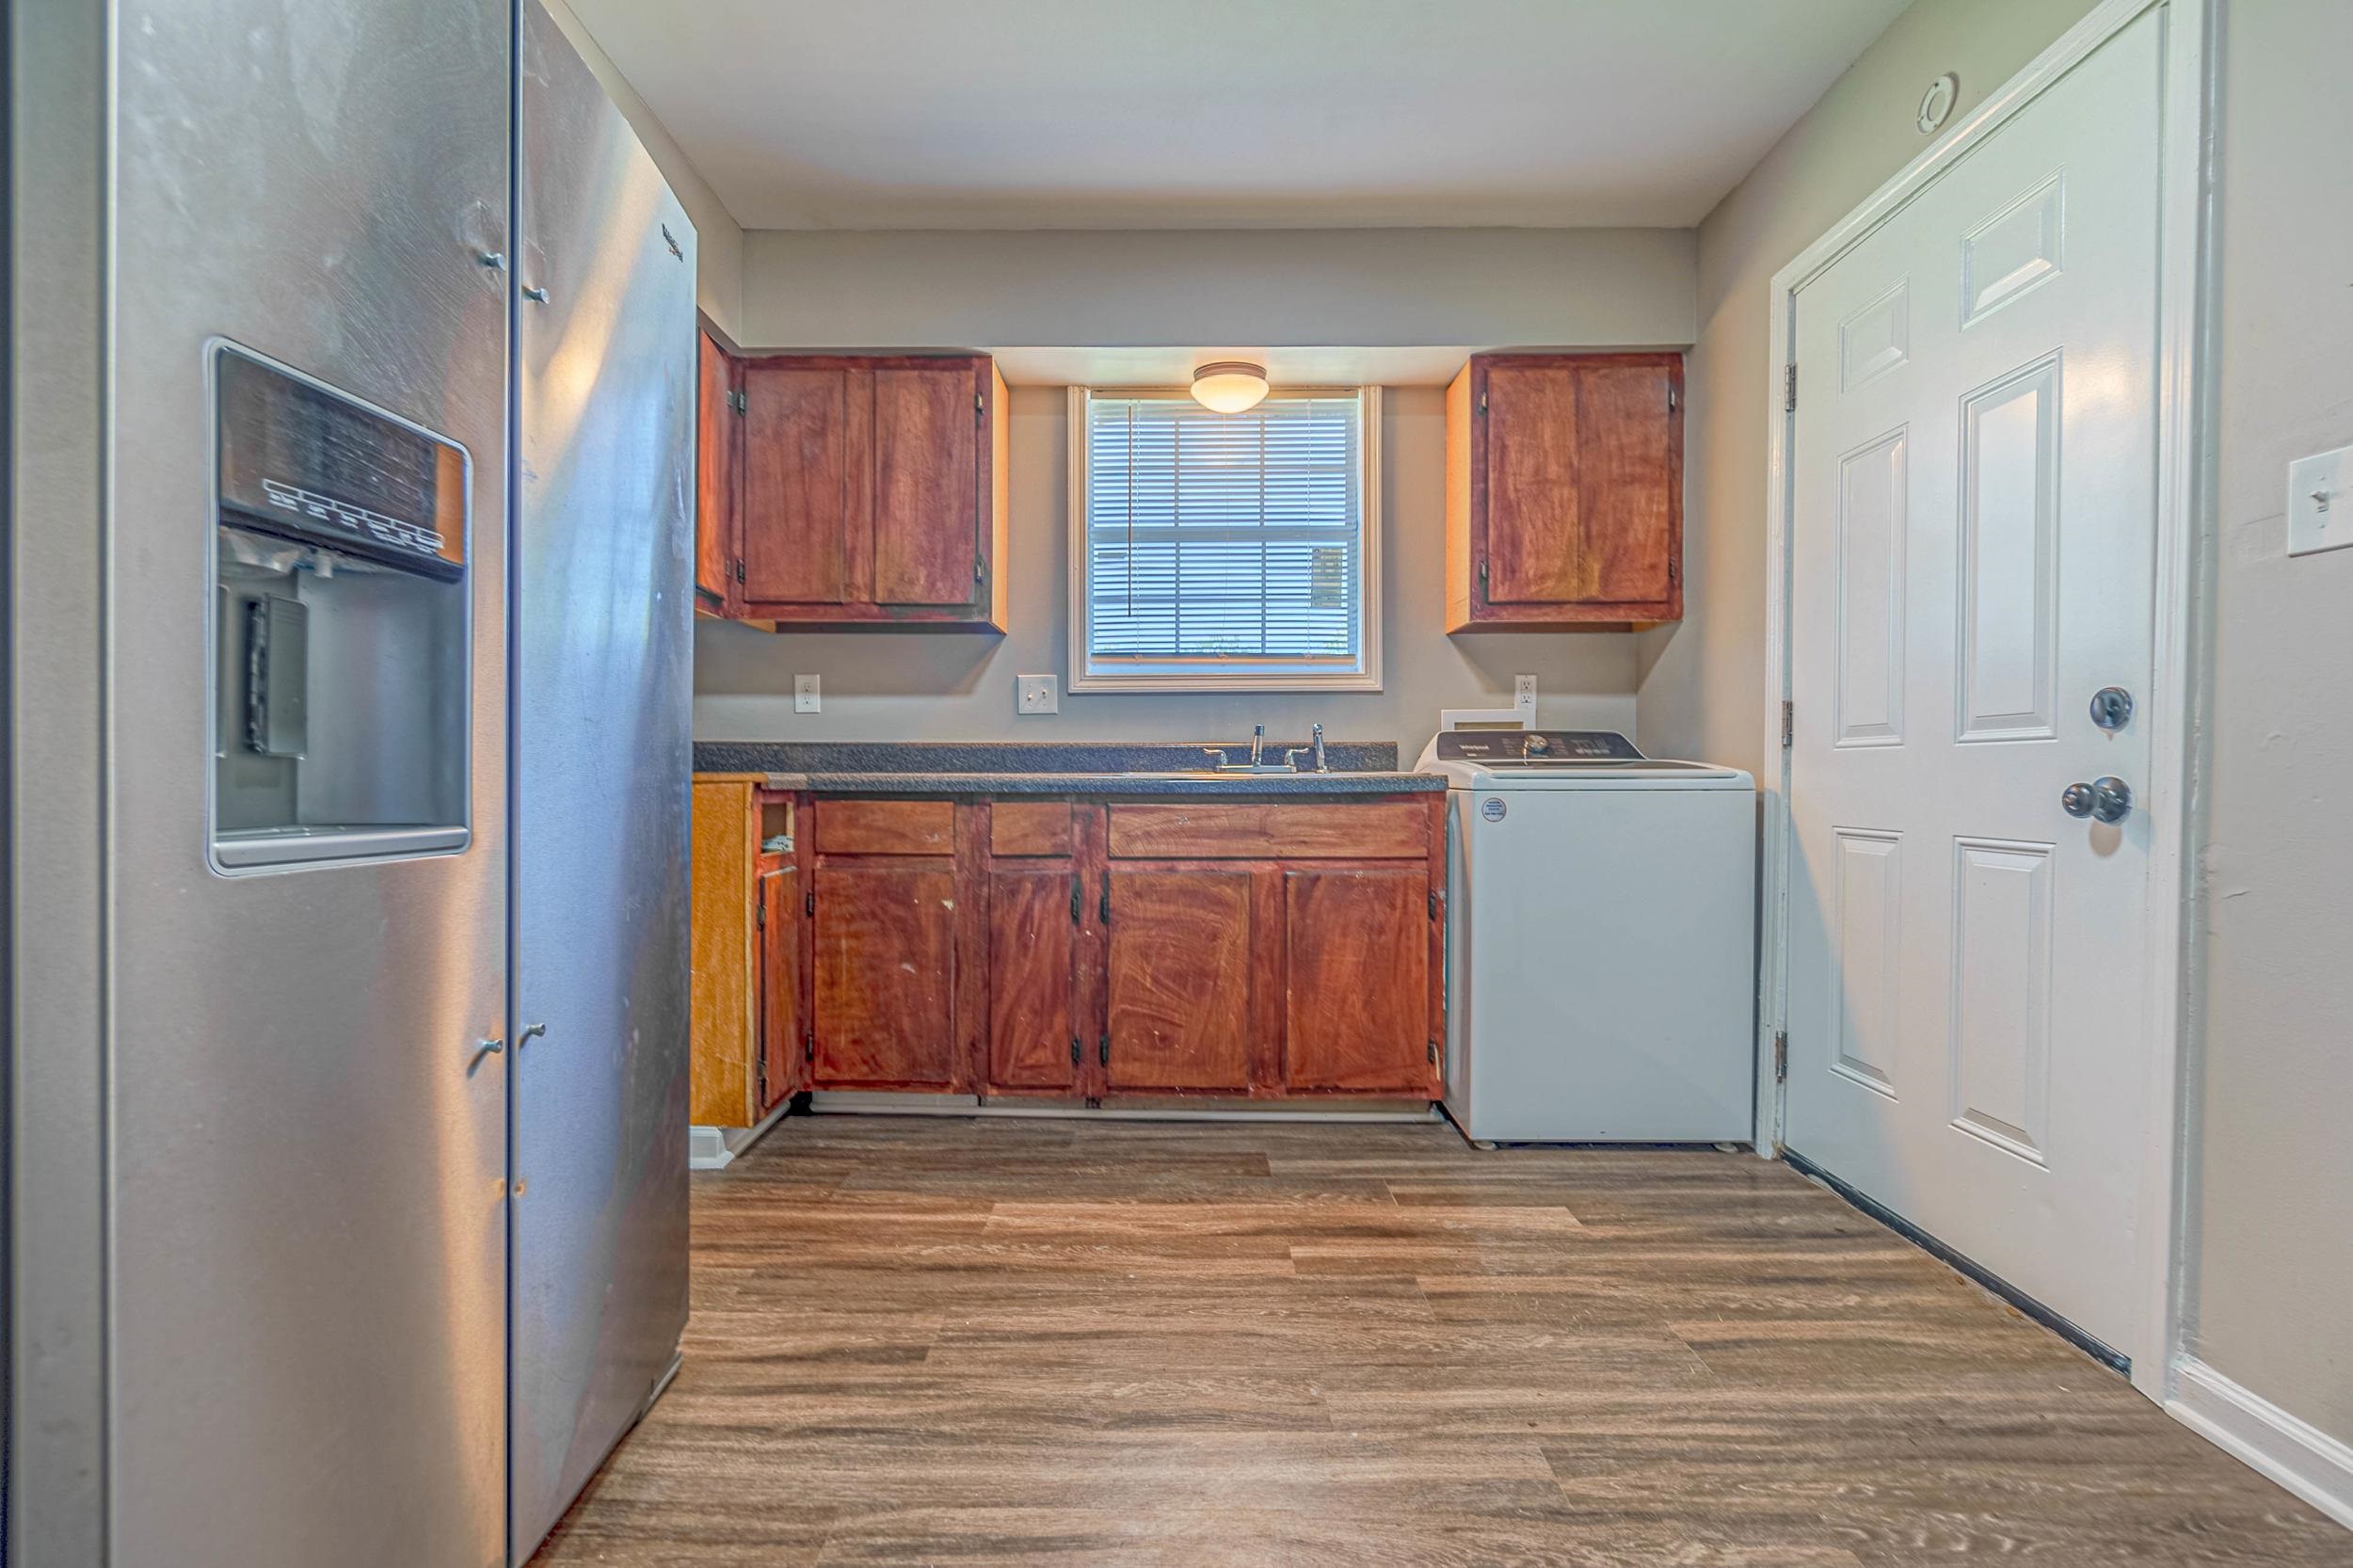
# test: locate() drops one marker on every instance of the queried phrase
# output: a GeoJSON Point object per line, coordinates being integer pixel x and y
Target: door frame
{"type": "Point", "coordinates": [2185, 478]}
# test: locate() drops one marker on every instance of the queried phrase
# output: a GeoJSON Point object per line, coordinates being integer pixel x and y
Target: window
{"type": "Point", "coordinates": [1234, 552]}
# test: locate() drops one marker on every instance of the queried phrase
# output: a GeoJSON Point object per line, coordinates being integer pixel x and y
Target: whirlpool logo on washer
{"type": "Point", "coordinates": [1492, 808]}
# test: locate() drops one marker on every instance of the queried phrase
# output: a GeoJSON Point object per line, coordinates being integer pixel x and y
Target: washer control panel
{"type": "Point", "coordinates": [1535, 747]}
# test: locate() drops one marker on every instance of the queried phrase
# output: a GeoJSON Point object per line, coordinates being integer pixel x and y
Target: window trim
{"type": "Point", "coordinates": [1207, 676]}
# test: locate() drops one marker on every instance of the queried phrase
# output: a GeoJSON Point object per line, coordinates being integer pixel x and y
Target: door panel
{"type": "Point", "coordinates": [885, 949]}
{"type": "Point", "coordinates": [782, 1057]}
{"type": "Point", "coordinates": [1533, 515]}
{"type": "Point", "coordinates": [1627, 481]}
{"type": "Point", "coordinates": [1971, 505]}
{"type": "Point", "coordinates": [1357, 995]}
{"type": "Point", "coordinates": [1178, 968]}
{"type": "Point", "coordinates": [796, 479]}
{"type": "Point", "coordinates": [602, 691]}
{"type": "Point", "coordinates": [718, 446]}
{"type": "Point", "coordinates": [1029, 943]}
{"type": "Point", "coordinates": [926, 484]}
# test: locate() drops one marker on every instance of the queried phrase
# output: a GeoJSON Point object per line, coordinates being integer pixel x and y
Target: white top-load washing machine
{"type": "Point", "coordinates": [1600, 940]}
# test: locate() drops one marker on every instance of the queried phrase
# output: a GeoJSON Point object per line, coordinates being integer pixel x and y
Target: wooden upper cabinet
{"type": "Point", "coordinates": [1564, 492]}
{"type": "Point", "coordinates": [872, 492]}
{"type": "Point", "coordinates": [718, 443]}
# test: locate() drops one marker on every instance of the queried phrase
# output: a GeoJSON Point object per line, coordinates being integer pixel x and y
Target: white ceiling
{"type": "Point", "coordinates": [1144, 114]}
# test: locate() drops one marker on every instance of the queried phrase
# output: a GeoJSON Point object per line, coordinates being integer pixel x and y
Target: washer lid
{"type": "Point", "coordinates": [1642, 774]}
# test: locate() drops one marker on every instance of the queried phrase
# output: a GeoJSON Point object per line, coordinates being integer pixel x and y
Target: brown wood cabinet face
{"type": "Point", "coordinates": [717, 450]}
{"type": "Point", "coordinates": [927, 477]}
{"type": "Point", "coordinates": [1178, 976]}
{"type": "Point", "coordinates": [885, 982]}
{"type": "Point", "coordinates": [1029, 828]}
{"type": "Point", "coordinates": [1565, 492]}
{"type": "Point", "coordinates": [723, 1019]}
{"type": "Point", "coordinates": [1257, 830]}
{"type": "Point", "coordinates": [782, 1063]}
{"type": "Point", "coordinates": [797, 483]}
{"type": "Point", "coordinates": [1357, 987]}
{"type": "Point", "coordinates": [1029, 979]}
{"type": "Point", "coordinates": [886, 826]}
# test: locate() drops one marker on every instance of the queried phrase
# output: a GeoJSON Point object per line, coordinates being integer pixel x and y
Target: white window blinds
{"type": "Point", "coordinates": [1227, 544]}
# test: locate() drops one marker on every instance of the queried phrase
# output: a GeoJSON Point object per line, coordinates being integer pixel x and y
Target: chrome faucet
{"type": "Point", "coordinates": [1316, 740]}
{"type": "Point", "coordinates": [1315, 751]}
{"type": "Point", "coordinates": [1258, 745]}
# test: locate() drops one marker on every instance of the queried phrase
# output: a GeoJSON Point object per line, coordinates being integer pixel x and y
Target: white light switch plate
{"type": "Point", "coordinates": [805, 698]}
{"type": "Point", "coordinates": [1035, 694]}
{"type": "Point", "coordinates": [2320, 501]}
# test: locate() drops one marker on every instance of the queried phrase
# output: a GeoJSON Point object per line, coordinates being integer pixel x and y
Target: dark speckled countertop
{"type": "Point", "coordinates": [1052, 768]}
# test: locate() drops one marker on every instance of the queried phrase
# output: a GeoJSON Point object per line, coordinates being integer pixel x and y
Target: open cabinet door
{"type": "Point", "coordinates": [601, 693]}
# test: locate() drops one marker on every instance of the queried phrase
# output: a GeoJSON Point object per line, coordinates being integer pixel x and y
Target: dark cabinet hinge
{"type": "Point", "coordinates": [1434, 1054]}
{"type": "Point", "coordinates": [1103, 910]}
{"type": "Point", "coordinates": [1672, 399]}
{"type": "Point", "coordinates": [741, 402]}
{"type": "Point", "coordinates": [739, 568]}
{"type": "Point", "coordinates": [1103, 1050]}
{"type": "Point", "coordinates": [759, 914]}
{"type": "Point", "coordinates": [808, 1047]}
{"type": "Point", "coordinates": [1482, 403]}
{"type": "Point", "coordinates": [1781, 1056]}
{"type": "Point", "coordinates": [1675, 571]}
{"type": "Point", "coordinates": [979, 569]}
{"type": "Point", "coordinates": [1482, 579]}
{"type": "Point", "coordinates": [1077, 900]}
{"type": "Point", "coordinates": [808, 902]}
{"type": "Point", "coordinates": [1074, 1050]}
{"type": "Point", "coordinates": [1433, 905]}
{"type": "Point", "coordinates": [980, 408]}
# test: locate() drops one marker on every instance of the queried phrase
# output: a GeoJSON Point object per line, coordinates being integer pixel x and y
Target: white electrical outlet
{"type": "Point", "coordinates": [2320, 501]}
{"type": "Point", "coordinates": [805, 700]}
{"type": "Point", "coordinates": [1035, 694]}
{"type": "Point", "coordinates": [1523, 695]}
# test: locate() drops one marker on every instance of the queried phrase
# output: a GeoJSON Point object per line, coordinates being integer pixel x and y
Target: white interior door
{"type": "Point", "coordinates": [1972, 546]}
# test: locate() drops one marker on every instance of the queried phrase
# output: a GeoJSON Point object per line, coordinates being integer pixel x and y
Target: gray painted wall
{"type": "Point", "coordinates": [1358, 288]}
{"type": "Point", "coordinates": [1702, 679]}
{"type": "Point", "coordinates": [2272, 1304]}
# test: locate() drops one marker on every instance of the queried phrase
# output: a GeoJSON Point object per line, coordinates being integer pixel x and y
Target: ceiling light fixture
{"type": "Point", "coordinates": [1229, 386]}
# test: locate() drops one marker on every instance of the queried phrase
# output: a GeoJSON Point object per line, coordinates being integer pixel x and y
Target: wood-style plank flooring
{"type": "Point", "coordinates": [1002, 1342]}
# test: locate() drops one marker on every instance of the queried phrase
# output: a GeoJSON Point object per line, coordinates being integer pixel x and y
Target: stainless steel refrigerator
{"type": "Point", "coordinates": [352, 349]}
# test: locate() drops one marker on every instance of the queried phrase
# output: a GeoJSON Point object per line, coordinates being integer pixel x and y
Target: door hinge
{"type": "Point", "coordinates": [1671, 397]}
{"type": "Point", "coordinates": [1675, 571]}
{"type": "Point", "coordinates": [1483, 580]}
{"type": "Point", "coordinates": [1789, 723]}
{"type": "Point", "coordinates": [1789, 388]}
{"type": "Point", "coordinates": [739, 568]}
{"type": "Point", "coordinates": [1433, 904]}
{"type": "Point", "coordinates": [759, 914]}
{"type": "Point", "coordinates": [1482, 403]}
{"type": "Point", "coordinates": [1103, 910]}
{"type": "Point", "coordinates": [1074, 1050]}
{"type": "Point", "coordinates": [740, 402]}
{"type": "Point", "coordinates": [1103, 1051]}
{"type": "Point", "coordinates": [979, 569]}
{"type": "Point", "coordinates": [1434, 1054]}
{"type": "Point", "coordinates": [809, 1045]}
{"type": "Point", "coordinates": [1781, 1056]}
{"type": "Point", "coordinates": [1078, 902]}
{"type": "Point", "coordinates": [808, 902]}
{"type": "Point", "coordinates": [980, 408]}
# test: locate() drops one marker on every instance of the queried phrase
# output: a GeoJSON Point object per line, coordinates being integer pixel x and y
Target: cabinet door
{"type": "Point", "coordinates": [797, 482]}
{"type": "Point", "coordinates": [717, 448]}
{"type": "Point", "coordinates": [1178, 976]}
{"type": "Point", "coordinates": [1627, 475]}
{"type": "Point", "coordinates": [886, 956]}
{"type": "Point", "coordinates": [783, 1067]}
{"type": "Point", "coordinates": [1356, 1003]}
{"type": "Point", "coordinates": [1532, 494]}
{"type": "Point", "coordinates": [926, 468]}
{"type": "Point", "coordinates": [1029, 952]}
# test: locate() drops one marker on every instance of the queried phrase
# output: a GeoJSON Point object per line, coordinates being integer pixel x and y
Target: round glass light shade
{"type": "Point", "coordinates": [1229, 386]}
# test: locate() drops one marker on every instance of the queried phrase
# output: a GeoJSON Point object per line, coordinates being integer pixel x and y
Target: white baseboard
{"type": "Point", "coordinates": [707, 1149]}
{"type": "Point", "coordinates": [2245, 1425]}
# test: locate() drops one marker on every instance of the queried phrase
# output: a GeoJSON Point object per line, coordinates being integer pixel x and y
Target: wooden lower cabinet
{"type": "Point", "coordinates": [1356, 980]}
{"type": "Point", "coordinates": [1177, 973]}
{"type": "Point", "coordinates": [1034, 1044]}
{"type": "Point", "coordinates": [1064, 949]}
{"type": "Point", "coordinates": [885, 944]}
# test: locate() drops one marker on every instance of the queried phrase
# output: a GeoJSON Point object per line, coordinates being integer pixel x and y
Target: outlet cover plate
{"type": "Point", "coordinates": [2320, 501]}
{"type": "Point", "coordinates": [805, 698]}
{"type": "Point", "coordinates": [1035, 694]}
